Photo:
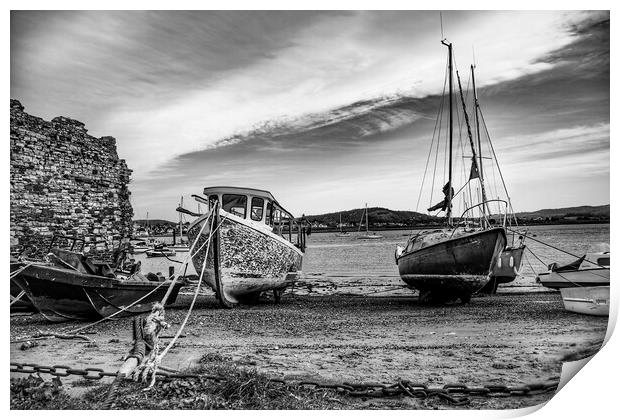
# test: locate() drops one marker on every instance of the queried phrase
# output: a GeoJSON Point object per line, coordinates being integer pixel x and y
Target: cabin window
{"type": "Point", "coordinates": [277, 215]}
{"type": "Point", "coordinates": [235, 204]}
{"type": "Point", "coordinates": [603, 261]}
{"type": "Point", "coordinates": [269, 212]}
{"type": "Point", "coordinates": [212, 200]}
{"type": "Point", "coordinates": [256, 211]}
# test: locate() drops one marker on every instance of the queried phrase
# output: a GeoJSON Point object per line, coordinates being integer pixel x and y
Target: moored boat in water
{"type": "Point", "coordinates": [245, 244]}
{"type": "Point", "coordinates": [160, 251]}
{"type": "Point", "coordinates": [368, 234]}
{"type": "Point", "coordinates": [72, 286]}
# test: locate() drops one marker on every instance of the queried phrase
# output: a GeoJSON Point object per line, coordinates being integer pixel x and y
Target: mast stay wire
{"type": "Point", "coordinates": [439, 138]}
{"type": "Point", "coordinates": [430, 150]}
{"type": "Point", "coordinates": [497, 164]}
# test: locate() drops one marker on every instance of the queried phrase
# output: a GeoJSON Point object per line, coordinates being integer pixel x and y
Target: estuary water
{"type": "Point", "coordinates": [334, 264]}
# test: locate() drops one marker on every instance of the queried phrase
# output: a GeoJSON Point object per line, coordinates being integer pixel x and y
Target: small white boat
{"type": "Point", "coordinates": [586, 300]}
{"type": "Point", "coordinates": [342, 233]}
{"type": "Point", "coordinates": [591, 270]}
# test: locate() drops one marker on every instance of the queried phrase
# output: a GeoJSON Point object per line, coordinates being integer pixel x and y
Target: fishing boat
{"type": "Point", "coordinates": [71, 286]}
{"type": "Point", "coordinates": [368, 234]}
{"type": "Point", "coordinates": [591, 270]}
{"type": "Point", "coordinates": [342, 233]}
{"type": "Point", "coordinates": [456, 261]}
{"type": "Point", "coordinates": [245, 244]}
{"type": "Point", "coordinates": [586, 300]}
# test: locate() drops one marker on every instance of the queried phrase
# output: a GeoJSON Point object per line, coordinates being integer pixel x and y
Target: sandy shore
{"type": "Point", "coordinates": [511, 339]}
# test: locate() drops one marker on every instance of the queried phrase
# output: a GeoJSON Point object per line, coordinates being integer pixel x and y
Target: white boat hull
{"type": "Point", "coordinates": [244, 258]}
{"type": "Point", "coordinates": [586, 300]}
{"type": "Point", "coordinates": [590, 277]}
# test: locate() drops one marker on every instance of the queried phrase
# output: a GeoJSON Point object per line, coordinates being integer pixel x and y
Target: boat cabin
{"type": "Point", "coordinates": [248, 203]}
{"type": "Point", "coordinates": [257, 206]}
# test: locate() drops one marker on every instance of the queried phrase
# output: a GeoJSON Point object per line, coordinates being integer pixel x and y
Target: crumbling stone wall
{"type": "Point", "coordinates": [66, 182]}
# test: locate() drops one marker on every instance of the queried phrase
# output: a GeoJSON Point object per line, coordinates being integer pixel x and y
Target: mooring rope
{"type": "Point", "coordinates": [19, 270]}
{"type": "Point", "coordinates": [202, 271]}
{"type": "Point", "coordinates": [554, 247]}
{"type": "Point", "coordinates": [18, 297]}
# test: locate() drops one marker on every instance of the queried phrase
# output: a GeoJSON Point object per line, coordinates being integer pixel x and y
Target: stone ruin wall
{"type": "Point", "coordinates": [66, 182]}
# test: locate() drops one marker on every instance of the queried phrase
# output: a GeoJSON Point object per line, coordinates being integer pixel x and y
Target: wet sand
{"type": "Point", "coordinates": [509, 338]}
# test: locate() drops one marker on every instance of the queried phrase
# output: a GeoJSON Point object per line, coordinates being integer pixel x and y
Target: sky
{"type": "Point", "coordinates": [327, 110]}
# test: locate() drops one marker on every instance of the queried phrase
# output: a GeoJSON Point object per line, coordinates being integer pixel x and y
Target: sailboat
{"type": "Point", "coordinates": [181, 246]}
{"type": "Point", "coordinates": [456, 261]}
{"type": "Point", "coordinates": [368, 234]}
{"type": "Point", "coordinates": [509, 263]}
{"type": "Point", "coordinates": [342, 233]}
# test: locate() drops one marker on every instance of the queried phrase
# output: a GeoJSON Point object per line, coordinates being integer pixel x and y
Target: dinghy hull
{"type": "Point", "coordinates": [63, 294]}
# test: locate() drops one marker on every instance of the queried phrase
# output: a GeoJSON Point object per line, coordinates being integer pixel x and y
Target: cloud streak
{"type": "Point", "coordinates": [339, 103]}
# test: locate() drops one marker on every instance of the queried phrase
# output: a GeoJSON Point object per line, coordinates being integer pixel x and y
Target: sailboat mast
{"type": "Point", "coordinates": [181, 223]}
{"type": "Point", "coordinates": [366, 217]}
{"type": "Point", "coordinates": [477, 119]}
{"type": "Point", "coordinates": [449, 209]}
{"type": "Point", "coordinates": [470, 136]}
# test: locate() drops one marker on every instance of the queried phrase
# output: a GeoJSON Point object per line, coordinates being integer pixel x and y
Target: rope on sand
{"type": "Point", "coordinates": [150, 365]}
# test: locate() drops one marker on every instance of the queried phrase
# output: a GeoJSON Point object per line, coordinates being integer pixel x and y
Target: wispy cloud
{"type": "Point", "coordinates": [298, 99]}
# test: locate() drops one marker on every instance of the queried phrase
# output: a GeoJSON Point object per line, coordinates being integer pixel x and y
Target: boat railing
{"type": "Point", "coordinates": [72, 240]}
{"type": "Point", "coordinates": [484, 203]}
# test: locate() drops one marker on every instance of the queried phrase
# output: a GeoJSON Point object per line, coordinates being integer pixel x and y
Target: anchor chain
{"type": "Point", "coordinates": [455, 394]}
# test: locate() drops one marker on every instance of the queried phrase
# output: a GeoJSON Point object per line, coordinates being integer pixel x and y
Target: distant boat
{"type": "Point", "coordinates": [160, 251]}
{"type": "Point", "coordinates": [586, 300]}
{"type": "Point", "coordinates": [453, 262]}
{"type": "Point", "coordinates": [253, 244]}
{"type": "Point", "coordinates": [75, 287]}
{"type": "Point", "coordinates": [591, 270]}
{"type": "Point", "coordinates": [342, 233]}
{"type": "Point", "coordinates": [368, 234]}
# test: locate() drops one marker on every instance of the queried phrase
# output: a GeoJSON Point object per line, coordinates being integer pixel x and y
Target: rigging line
{"type": "Point", "coordinates": [554, 247]}
{"type": "Point", "coordinates": [439, 137]}
{"type": "Point", "coordinates": [484, 124]}
{"type": "Point", "coordinates": [430, 150]}
{"type": "Point", "coordinates": [441, 24]}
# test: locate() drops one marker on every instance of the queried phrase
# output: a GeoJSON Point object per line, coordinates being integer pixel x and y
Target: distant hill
{"type": "Point", "coordinates": [377, 216]}
{"type": "Point", "coordinates": [592, 211]}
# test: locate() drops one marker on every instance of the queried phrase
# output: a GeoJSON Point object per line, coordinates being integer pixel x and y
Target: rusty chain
{"type": "Point", "coordinates": [447, 392]}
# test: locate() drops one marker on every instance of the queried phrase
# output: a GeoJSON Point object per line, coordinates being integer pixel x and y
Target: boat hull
{"type": "Point", "coordinates": [590, 277]}
{"type": "Point", "coordinates": [453, 268]}
{"type": "Point", "coordinates": [23, 303]}
{"type": "Point", "coordinates": [586, 300]}
{"type": "Point", "coordinates": [506, 269]}
{"type": "Point", "coordinates": [243, 259]}
{"type": "Point", "coordinates": [63, 294]}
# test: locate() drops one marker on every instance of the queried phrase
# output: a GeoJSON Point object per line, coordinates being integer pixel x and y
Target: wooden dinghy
{"type": "Point", "coordinates": [255, 244]}
{"type": "Point", "coordinates": [74, 287]}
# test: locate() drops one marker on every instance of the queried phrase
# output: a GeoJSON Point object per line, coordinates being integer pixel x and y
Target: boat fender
{"type": "Point", "coordinates": [399, 251]}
